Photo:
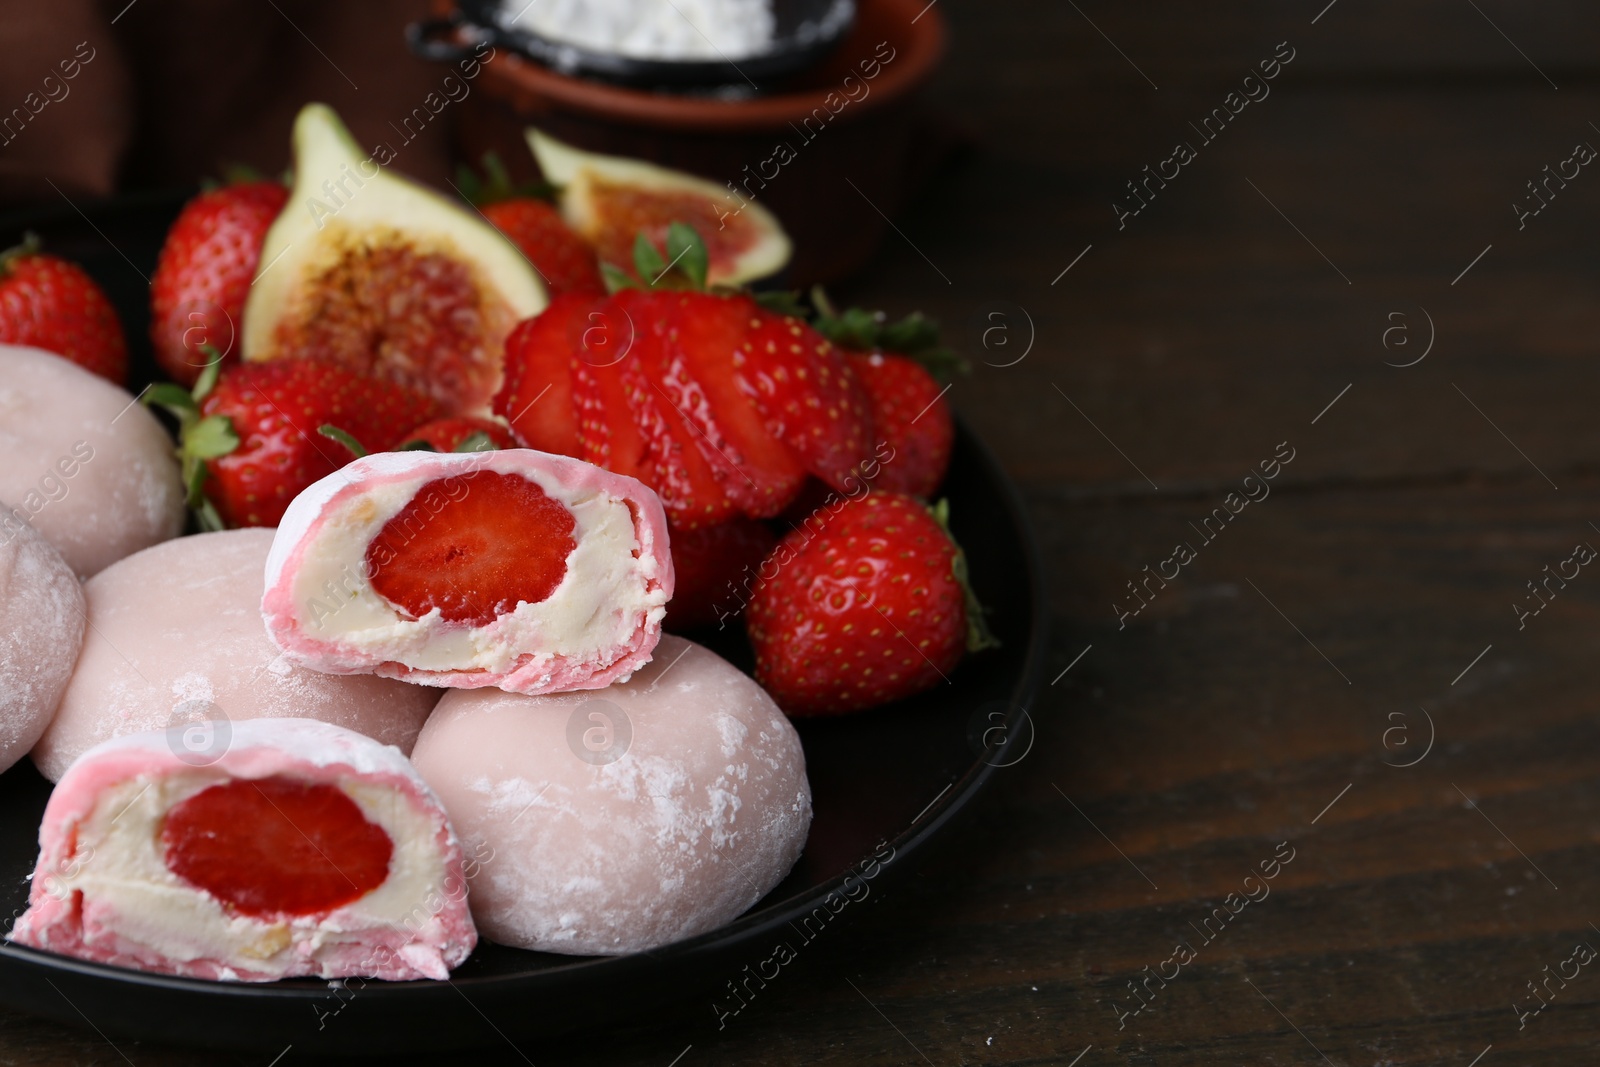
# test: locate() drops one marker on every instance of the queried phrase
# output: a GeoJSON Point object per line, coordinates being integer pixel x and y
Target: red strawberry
{"type": "Point", "coordinates": [536, 393]}
{"type": "Point", "coordinates": [564, 260]}
{"type": "Point", "coordinates": [198, 291]}
{"type": "Point", "coordinates": [757, 471]}
{"type": "Point", "coordinates": [567, 264]}
{"type": "Point", "coordinates": [464, 433]}
{"type": "Point", "coordinates": [866, 604]}
{"type": "Point", "coordinates": [911, 417]}
{"type": "Point", "coordinates": [716, 567]}
{"type": "Point", "coordinates": [808, 394]}
{"type": "Point", "coordinates": [629, 424]}
{"type": "Point", "coordinates": [52, 304]}
{"type": "Point", "coordinates": [912, 420]}
{"type": "Point", "coordinates": [250, 440]}
{"type": "Point", "coordinates": [497, 542]}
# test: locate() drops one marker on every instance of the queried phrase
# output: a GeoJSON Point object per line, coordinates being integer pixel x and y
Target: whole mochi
{"type": "Point", "coordinates": [589, 841]}
{"type": "Point", "coordinates": [41, 631]}
{"type": "Point", "coordinates": [84, 464]}
{"type": "Point", "coordinates": [175, 637]}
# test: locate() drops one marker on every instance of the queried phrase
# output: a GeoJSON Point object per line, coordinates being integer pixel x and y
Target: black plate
{"type": "Point", "coordinates": [884, 783]}
{"type": "Point", "coordinates": [806, 31]}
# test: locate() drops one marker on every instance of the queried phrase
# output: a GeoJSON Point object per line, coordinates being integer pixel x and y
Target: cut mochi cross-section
{"type": "Point", "coordinates": [518, 569]}
{"type": "Point", "coordinates": [305, 849]}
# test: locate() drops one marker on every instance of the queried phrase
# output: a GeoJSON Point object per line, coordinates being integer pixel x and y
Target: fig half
{"type": "Point", "coordinates": [610, 200]}
{"type": "Point", "coordinates": [372, 271]}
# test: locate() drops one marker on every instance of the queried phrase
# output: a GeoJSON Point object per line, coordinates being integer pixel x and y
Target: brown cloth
{"type": "Point", "coordinates": [104, 97]}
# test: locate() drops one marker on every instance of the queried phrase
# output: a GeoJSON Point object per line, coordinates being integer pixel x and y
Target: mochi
{"type": "Point", "coordinates": [175, 637]}
{"type": "Point", "coordinates": [623, 819]}
{"type": "Point", "coordinates": [41, 631]}
{"type": "Point", "coordinates": [531, 572]}
{"type": "Point", "coordinates": [302, 849]}
{"type": "Point", "coordinates": [86, 465]}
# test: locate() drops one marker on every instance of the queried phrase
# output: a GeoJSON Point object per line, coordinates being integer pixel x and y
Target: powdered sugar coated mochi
{"type": "Point", "coordinates": [300, 848]}
{"type": "Point", "coordinates": [518, 569]}
{"type": "Point", "coordinates": [621, 820]}
{"type": "Point", "coordinates": [84, 464]}
{"type": "Point", "coordinates": [176, 636]}
{"type": "Point", "coordinates": [42, 608]}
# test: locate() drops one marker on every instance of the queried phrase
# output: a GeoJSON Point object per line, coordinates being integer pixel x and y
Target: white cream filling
{"type": "Point", "coordinates": [598, 604]}
{"type": "Point", "coordinates": [118, 865]}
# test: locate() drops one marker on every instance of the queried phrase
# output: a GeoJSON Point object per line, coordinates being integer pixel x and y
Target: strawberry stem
{"type": "Point", "coordinates": [30, 246]}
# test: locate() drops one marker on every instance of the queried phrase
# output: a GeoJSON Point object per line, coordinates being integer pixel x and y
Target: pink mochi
{"type": "Point", "coordinates": [598, 626]}
{"type": "Point", "coordinates": [175, 636]}
{"type": "Point", "coordinates": [102, 889]}
{"type": "Point", "coordinates": [620, 820]}
{"type": "Point", "coordinates": [85, 463]}
{"type": "Point", "coordinates": [41, 603]}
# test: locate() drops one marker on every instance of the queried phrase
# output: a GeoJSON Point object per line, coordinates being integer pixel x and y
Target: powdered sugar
{"type": "Point", "coordinates": [652, 29]}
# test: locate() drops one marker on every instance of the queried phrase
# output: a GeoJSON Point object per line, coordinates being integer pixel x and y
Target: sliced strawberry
{"type": "Point", "coordinates": [758, 473]}
{"type": "Point", "coordinates": [670, 462]}
{"type": "Point", "coordinates": [276, 846]}
{"type": "Point", "coordinates": [474, 546]}
{"type": "Point", "coordinates": [807, 393]}
{"type": "Point", "coordinates": [536, 395]}
{"type": "Point", "coordinates": [607, 434]}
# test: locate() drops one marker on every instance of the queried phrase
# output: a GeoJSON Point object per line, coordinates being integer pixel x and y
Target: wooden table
{"type": "Point", "coordinates": [1360, 618]}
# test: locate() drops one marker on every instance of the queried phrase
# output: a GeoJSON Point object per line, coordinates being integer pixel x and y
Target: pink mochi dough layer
{"type": "Point", "coordinates": [41, 603]}
{"type": "Point", "coordinates": [329, 510]}
{"type": "Point", "coordinates": [175, 636]}
{"type": "Point", "coordinates": [620, 820]}
{"type": "Point", "coordinates": [422, 938]}
{"type": "Point", "coordinates": [85, 464]}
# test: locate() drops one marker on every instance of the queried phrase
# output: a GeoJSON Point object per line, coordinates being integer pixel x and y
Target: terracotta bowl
{"type": "Point", "coordinates": [832, 152]}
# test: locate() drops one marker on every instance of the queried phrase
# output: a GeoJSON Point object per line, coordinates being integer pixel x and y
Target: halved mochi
{"type": "Point", "coordinates": [303, 849]}
{"type": "Point", "coordinates": [622, 820]}
{"type": "Point", "coordinates": [374, 272]}
{"type": "Point", "coordinates": [519, 569]}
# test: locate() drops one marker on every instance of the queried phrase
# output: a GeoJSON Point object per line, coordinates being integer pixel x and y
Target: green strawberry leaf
{"type": "Point", "coordinates": [476, 441]}
{"type": "Point", "coordinates": [174, 398]}
{"type": "Point", "coordinates": [781, 302]}
{"type": "Point", "coordinates": [205, 513]}
{"type": "Point", "coordinates": [616, 278]}
{"type": "Point", "coordinates": [916, 336]}
{"type": "Point", "coordinates": [210, 437]}
{"type": "Point", "coordinates": [687, 252]}
{"type": "Point", "coordinates": [333, 433]}
{"type": "Point", "coordinates": [208, 377]}
{"type": "Point", "coordinates": [647, 261]}
{"type": "Point", "coordinates": [978, 635]}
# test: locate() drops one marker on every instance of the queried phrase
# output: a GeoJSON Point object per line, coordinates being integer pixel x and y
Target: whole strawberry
{"type": "Point", "coordinates": [901, 365]}
{"type": "Point", "coordinates": [464, 433]}
{"type": "Point", "coordinates": [563, 259]}
{"type": "Point", "coordinates": [52, 304]}
{"type": "Point", "coordinates": [203, 275]}
{"type": "Point", "coordinates": [250, 437]}
{"type": "Point", "coordinates": [861, 606]}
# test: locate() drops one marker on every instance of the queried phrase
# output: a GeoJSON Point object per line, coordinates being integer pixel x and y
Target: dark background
{"type": "Point", "coordinates": [1328, 635]}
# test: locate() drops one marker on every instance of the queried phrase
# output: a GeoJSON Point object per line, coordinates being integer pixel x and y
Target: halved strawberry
{"type": "Point", "coordinates": [536, 396]}
{"type": "Point", "coordinates": [500, 543]}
